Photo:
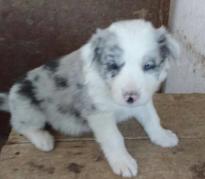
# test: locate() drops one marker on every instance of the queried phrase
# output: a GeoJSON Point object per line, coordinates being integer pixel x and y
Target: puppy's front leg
{"type": "Point", "coordinates": [149, 119]}
{"type": "Point", "coordinates": [112, 144]}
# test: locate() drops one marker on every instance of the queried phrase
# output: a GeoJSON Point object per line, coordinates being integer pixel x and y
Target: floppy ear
{"type": "Point", "coordinates": [94, 46]}
{"type": "Point", "coordinates": [99, 45]}
{"type": "Point", "coordinates": [167, 44]}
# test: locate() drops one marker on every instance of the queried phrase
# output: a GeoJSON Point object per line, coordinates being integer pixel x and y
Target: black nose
{"type": "Point", "coordinates": [130, 100]}
{"type": "Point", "coordinates": [131, 97]}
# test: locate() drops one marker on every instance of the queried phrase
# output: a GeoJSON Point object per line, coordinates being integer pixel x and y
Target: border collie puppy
{"type": "Point", "coordinates": [108, 80]}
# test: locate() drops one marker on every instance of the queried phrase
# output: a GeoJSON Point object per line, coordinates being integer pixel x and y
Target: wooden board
{"type": "Point", "coordinates": [81, 158]}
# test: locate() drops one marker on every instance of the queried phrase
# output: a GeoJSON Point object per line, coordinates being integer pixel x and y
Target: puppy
{"type": "Point", "coordinates": [110, 79]}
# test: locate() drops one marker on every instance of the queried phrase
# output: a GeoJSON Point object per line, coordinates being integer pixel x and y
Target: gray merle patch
{"type": "Point", "coordinates": [79, 86]}
{"type": "Point", "coordinates": [36, 78]}
{"type": "Point", "coordinates": [61, 82]}
{"type": "Point", "coordinates": [71, 110]}
{"type": "Point", "coordinates": [63, 109]}
{"type": "Point", "coordinates": [52, 66]}
{"type": "Point", "coordinates": [28, 90]}
{"type": "Point", "coordinates": [163, 49]}
{"type": "Point", "coordinates": [74, 111]}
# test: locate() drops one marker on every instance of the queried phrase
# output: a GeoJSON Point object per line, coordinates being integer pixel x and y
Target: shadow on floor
{"type": "Point", "coordinates": [4, 128]}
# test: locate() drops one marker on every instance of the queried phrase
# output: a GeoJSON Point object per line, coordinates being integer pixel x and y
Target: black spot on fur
{"type": "Point", "coordinates": [75, 112]}
{"type": "Point", "coordinates": [71, 110]}
{"type": "Point", "coordinates": [163, 49]}
{"type": "Point", "coordinates": [22, 122]}
{"type": "Point", "coordinates": [79, 86]}
{"type": "Point", "coordinates": [2, 101]}
{"type": "Point", "coordinates": [36, 78]}
{"type": "Point", "coordinates": [113, 69]}
{"type": "Point", "coordinates": [52, 66]}
{"type": "Point", "coordinates": [61, 82]}
{"type": "Point", "coordinates": [93, 107]}
{"type": "Point", "coordinates": [63, 109]}
{"type": "Point", "coordinates": [28, 90]}
{"type": "Point", "coordinates": [162, 39]}
{"type": "Point", "coordinates": [97, 54]}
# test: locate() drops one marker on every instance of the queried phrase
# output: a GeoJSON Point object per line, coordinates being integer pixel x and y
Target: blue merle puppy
{"type": "Point", "coordinates": [110, 79]}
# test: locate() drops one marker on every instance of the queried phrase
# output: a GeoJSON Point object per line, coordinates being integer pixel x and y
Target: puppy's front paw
{"type": "Point", "coordinates": [165, 138]}
{"type": "Point", "coordinates": [43, 141]}
{"type": "Point", "coordinates": [123, 165]}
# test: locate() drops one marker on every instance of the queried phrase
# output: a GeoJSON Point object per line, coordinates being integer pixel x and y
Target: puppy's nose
{"type": "Point", "coordinates": [131, 97]}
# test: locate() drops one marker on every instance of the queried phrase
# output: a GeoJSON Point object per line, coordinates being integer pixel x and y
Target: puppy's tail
{"type": "Point", "coordinates": [4, 106]}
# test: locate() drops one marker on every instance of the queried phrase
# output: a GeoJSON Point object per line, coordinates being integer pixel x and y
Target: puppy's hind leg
{"type": "Point", "coordinates": [30, 122]}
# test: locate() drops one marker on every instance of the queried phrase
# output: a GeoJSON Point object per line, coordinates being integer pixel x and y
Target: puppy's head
{"type": "Point", "coordinates": [132, 58]}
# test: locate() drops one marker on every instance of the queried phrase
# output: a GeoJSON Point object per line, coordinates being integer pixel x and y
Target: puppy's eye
{"type": "Point", "coordinates": [149, 66]}
{"type": "Point", "coordinates": [113, 66]}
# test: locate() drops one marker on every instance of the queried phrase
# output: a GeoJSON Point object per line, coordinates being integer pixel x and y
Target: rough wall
{"type": "Point", "coordinates": [187, 22]}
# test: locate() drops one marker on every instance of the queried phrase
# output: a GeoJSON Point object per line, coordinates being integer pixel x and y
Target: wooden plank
{"type": "Point", "coordinates": [81, 157]}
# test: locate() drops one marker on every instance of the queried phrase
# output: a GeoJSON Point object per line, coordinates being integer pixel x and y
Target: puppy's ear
{"type": "Point", "coordinates": [98, 45]}
{"type": "Point", "coordinates": [167, 44]}
{"type": "Point", "coordinates": [102, 44]}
